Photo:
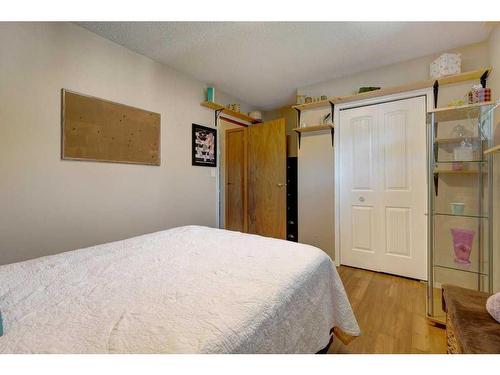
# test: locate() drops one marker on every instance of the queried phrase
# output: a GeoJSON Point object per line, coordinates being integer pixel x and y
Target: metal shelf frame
{"type": "Point", "coordinates": [484, 211]}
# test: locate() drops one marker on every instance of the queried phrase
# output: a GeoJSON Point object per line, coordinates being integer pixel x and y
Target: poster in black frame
{"type": "Point", "coordinates": [204, 146]}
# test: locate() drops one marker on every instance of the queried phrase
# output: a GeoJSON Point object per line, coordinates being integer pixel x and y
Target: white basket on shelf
{"type": "Point", "coordinates": [445, 65]}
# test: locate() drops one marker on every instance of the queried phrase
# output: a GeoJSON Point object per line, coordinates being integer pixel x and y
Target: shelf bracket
{"type": "Point", "coordinates": [217, 114]}
{"type": "Point", "coordinates": [332, 107]}
{"type": "Point", "coordinates": [298, 117]}
{"type": "Point", "coordinates": [484, 77]}
{"type": "Point", "coordinates": [298, 125]}
{"type": "Point", "coordinates": [436, 183]}
{"type": "Point", "coordinates": [332, 130]}
{"type": "Point", "coordinates": [436, 92]}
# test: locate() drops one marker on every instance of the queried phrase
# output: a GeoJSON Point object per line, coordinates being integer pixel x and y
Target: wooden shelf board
{"type": "Point", "coordinates": [314, 128]}
{"type": "Point", "coordinates": [238, 115]}
{"type": "Point", "coordinates": [454, 140]}
{"type": "Point", "coordinates": [492, 150]}
{"type": "Point", "coordinates": [462, 77]}
{"type": "Point", "coordinates": [313, 105]}
{"type": "Point", "coordinates": [458, 113]}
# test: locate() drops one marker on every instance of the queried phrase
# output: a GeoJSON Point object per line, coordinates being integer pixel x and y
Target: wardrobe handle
{"type": "Point", "coordinates": [280, 185]}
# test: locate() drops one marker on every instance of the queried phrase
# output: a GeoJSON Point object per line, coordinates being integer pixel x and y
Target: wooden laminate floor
{"type": "Point", "coordinates": [391, 313]}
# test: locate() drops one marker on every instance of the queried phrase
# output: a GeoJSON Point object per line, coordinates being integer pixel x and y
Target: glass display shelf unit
{"type": "Point", "coordinates": [460, 210]}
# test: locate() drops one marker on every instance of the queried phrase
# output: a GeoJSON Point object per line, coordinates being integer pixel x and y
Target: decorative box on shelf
{"type": "Point", "coordinates": [445, 65]}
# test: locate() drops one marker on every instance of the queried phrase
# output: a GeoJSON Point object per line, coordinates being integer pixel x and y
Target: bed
{"type": "Point", "coordinates": [190, 289]}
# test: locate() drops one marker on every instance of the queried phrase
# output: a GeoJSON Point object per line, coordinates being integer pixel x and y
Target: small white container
{"type": "Point", "coordinates": [256, 115]}
{"type": "Point", "coordinates": [457, 208]}
{"type": "Point", "coordinates": [445, 65]}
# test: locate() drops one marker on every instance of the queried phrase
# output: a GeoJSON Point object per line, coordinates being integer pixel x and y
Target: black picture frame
{"type": "Point", "coordinates": [203, 146]}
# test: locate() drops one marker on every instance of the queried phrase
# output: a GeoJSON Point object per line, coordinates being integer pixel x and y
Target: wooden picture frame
{"type": "Point", "coordinates": [203, 146]}
{"type": "Point", "coordinates": [95, 129]}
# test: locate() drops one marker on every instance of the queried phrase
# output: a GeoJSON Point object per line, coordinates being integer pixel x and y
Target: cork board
{"type": "Point", "coordinates": [99, 130]}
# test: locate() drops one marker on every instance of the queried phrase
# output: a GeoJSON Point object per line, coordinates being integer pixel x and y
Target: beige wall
{"type": "Point", "coordinates": [473, 57]}
{"type": "Point", "coordinates": [316, 192]}
{"type": "Point", "coordinates": [48, 205]}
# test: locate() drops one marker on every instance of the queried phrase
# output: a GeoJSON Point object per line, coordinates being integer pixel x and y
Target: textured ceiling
{"type": "Point", "coordinates": [262, 63]}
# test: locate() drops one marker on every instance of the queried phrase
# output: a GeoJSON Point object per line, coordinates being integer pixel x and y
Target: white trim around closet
{"type": "Point", "coordinates": [337, 174]}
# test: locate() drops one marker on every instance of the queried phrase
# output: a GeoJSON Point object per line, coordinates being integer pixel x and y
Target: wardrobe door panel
{"type": "Point", "coordinates": [267, 179]}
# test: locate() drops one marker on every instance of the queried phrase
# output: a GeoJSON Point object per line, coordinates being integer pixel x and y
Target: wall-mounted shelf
{"type": "Point", "coordinates": [315, 128]}
{"type": "Point", "coordinates": [492, 150]}
{"type": "Point", "coordinates": [313, 105]}
{"type": "Point", "coordinates": [219, 108]}
{"type": "Point", "coordinates": [462, 77]}
{"type": "Point", "coordinates": [458, 113]}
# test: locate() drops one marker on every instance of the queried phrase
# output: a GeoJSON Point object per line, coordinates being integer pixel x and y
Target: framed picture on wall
{"type": "Point", "coordinates": [204, 146]}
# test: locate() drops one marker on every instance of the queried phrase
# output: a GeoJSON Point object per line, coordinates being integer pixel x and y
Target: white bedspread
{"type": "Point", "coordinates": [185, 290]}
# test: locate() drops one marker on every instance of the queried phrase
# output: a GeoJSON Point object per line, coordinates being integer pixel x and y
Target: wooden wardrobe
{"type": "Point", "coordinates": [255, 178]}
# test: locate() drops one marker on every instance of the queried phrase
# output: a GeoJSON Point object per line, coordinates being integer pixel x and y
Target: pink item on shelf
{"type": "Point", "coordinates": [485, 94]}
{"type": "Point", "coordinates": [462, 244]}
{"type": "Point", "coordinates": [457, 166]}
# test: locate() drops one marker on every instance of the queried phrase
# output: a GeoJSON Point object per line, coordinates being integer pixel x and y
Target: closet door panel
{"type": "Point", "coordinates": [359, 206]}
{"type": "Point", "coordinates": [403, 191]}
{"type": "Point", "coordinates": [396, 150]}
{"type": "Point", "coordinates": [383, 187]}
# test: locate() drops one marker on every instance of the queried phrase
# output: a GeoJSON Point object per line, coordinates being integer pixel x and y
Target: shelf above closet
{"type": "Point", "coordinates": [314, 128]}
{"type": "Point", "coordinates": [458, 113]}
{"type": "Point", "coordinates": [492, 150]}
{"type": "Point", "coordinates": [462, 77]}
{"type": "Point", "coordinates": [223, 109]}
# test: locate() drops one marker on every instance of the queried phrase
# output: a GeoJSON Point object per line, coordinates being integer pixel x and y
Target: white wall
{"type": "Point", "coordinates": [49, 205]}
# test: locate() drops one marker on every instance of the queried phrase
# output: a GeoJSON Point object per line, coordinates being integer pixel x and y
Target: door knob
{"type": "Point", "coordinates": [280, 185]}
{"type": "Point", "coordinates": [361, 199]}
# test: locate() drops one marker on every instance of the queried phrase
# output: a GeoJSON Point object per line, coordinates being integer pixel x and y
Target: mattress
{"type": "Point", "coordinates": [190, 289]}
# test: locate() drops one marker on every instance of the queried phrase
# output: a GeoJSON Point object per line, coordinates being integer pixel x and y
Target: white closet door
{"type": "Point", "coordinates": [358, 200]}
{"type": "Point", "coordinates": [383, 188]}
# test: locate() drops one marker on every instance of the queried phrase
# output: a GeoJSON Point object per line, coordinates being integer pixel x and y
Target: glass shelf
{"type": "Point", "coordinates": [458, 268]}
{"type": "Point", "coordinates": [460, 161]}
{"type": "Point", "coordinates": [472, 216]}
